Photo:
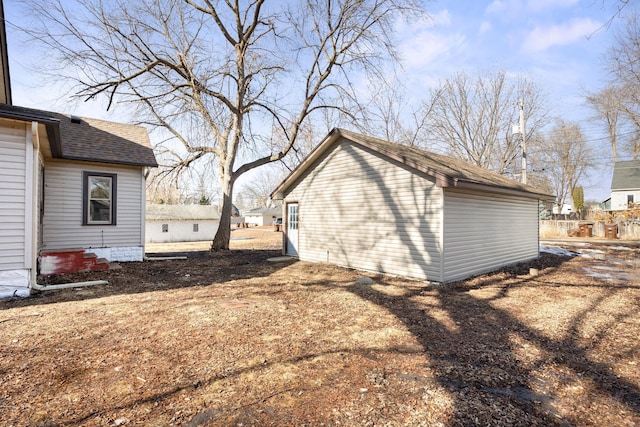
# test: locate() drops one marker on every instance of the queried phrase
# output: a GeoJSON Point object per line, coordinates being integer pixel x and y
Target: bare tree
{"type": "Point", "coordinates": [471, 118]}
{"type": "Point", "coordinates": [630, 104]}
{"type": "Point", "coordinates": [623, 57]}
{"type": "Point", "coordinates": [618, 104]}
{"type": "Point", "coordinates": [607, 105]}
{"type": "Point", "coordinates": [390, 114]}
{"type": "Point", "coordinates": [623, 61]}
{"type": "Point", "coordinates": [256, 192]}
{"type": "Point", "coordinates": [162, 188]}
{"type": "Point", "coordinates": [565, 157]}
{"type": "Point", "coordinates": [219, 74]}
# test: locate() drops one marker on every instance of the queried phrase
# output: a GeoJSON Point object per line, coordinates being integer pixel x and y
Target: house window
{"type": "Point", "coordinates": [195, 228]}
{"type": "Point", "coordinates": [99, 198]}
{"type": "Point", "coordinates": [630, 199]}
{"type": "Point", "coordinates": [165, 228]}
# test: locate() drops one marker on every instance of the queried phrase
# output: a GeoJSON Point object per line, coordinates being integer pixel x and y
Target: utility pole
{"type": "Point", "coordinates": [523, 135]}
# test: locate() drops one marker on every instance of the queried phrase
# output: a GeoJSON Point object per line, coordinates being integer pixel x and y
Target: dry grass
{"type": "Point", "coordinates": [232, 339]}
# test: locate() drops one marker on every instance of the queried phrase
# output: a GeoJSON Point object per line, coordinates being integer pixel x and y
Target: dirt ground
{"type": "Point", "coordinates": [232, 339]}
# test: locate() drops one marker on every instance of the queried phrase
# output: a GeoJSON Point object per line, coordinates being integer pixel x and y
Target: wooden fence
{"type": "Point", "coordinates": [562, 228]}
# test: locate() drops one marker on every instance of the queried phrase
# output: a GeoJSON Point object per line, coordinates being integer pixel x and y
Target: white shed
{"type": "Point", "coordinates": [369, 204]}
{"type": "Point", "coordinates": [181, 223]}
{"type": "Point", "coordinates": [262, 216]}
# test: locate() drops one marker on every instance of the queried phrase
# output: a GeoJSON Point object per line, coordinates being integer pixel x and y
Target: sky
{"type": "Point", "coordinates": [560, 44]}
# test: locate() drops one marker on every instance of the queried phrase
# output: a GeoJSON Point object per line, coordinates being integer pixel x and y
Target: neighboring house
{"type": "Point", "coordinates": [365, 203]}
{"type": "Point", "coordinates": [181, 223]}
{"type": "Point", "coordinates": [625, 185]}
{"type": "Point", "coordinates": [567, 209]}
{"type": "Point", "coordinates": [68, 185]}
{"type": "Point", "coordinates": [263, 216]}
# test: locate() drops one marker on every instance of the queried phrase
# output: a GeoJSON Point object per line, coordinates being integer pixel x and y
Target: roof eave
{"type": "Point", "coordinates": [110, 161]}
{"type": "Point", "coordinates": [51, 124]}
{"type": "Point", "coordinates": [505, 190]}
{"type": "Point", "coordinates": [441, 179]}
{"type": "Point", "coordinates": [278, 193]}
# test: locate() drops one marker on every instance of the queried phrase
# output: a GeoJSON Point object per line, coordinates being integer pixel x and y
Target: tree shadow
{"type": "Point", "coordinates": [479, 359]}
{"type": "Point", "coordinates": [201, 268]}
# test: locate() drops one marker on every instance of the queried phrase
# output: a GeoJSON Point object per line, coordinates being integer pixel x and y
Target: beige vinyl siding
{"type": "Point", "coordinates": [361, 210]}
{"type": "Point", "coordinates": [484, 231]}
{"type": "Point", "coordinates": [63, 207]}
{"type": "Point", "coordinates": [13, 176]}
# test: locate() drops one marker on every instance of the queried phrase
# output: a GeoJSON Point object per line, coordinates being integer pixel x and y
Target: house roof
{"type": "Point", "coordinates": [86, 139]}
{"type": "Point", "coordinates": [276, 210]}
{"type": "Point", "coordinates": [159, 212]}
{"type": "Point", "coordinates": [447, 171]}
{"type": "Point", "coordinates": [626, 175]}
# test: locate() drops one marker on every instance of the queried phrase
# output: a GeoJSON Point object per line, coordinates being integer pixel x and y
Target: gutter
{"type": "Point", "coordinates": [35, 220]}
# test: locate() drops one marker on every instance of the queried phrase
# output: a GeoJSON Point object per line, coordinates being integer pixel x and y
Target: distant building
{"type": "Point", "coordinates": [567, 209]}
{"type": "Point", "coordinates": [180, 223]}
{"type": "Point", "coordinates": [263, 216]}
{"type": "Point", "coordinates": [625, 185]}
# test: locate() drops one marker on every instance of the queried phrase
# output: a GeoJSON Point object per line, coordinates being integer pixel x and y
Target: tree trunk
{"type": "Point", "coordinates": [223, 235]}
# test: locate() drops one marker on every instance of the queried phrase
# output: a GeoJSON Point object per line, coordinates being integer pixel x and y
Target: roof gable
{"type": "Point", "coordinates": [626, 175]}
{"type": "Point", "coordinates": [447, 171]}
{"type": "Point", "coordinates": [88, 139]}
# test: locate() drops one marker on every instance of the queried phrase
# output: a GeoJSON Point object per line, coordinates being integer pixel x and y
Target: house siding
{"type": "Point", "coordinates": [259, 220]}
{"type": "Point", "coordinates": [13, 197]}
{"type": "Point", "coordinates": [619, 198]}
{"type": "Point", "coordinates": [63, 227]}
{"type": "Point", "coordinates": [361, 210]}
{"type": "Point", "coordinates": [485, 231]}
{"type": "Point", "coordinates": [180, 230]}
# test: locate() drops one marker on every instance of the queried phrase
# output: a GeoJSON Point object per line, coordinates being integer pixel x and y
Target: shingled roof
{"type": "Point", "coordinates": [626, 175]}
{"type": "Point", "coordinates": [92, 140]}
{"type": "Point", "coordinates": [447, 171]}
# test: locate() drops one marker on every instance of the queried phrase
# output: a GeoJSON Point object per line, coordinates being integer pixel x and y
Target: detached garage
{"type": "Point", "coordinates": [364, 203]}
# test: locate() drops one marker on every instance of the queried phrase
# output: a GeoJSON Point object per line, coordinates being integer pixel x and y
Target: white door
{"type": "Point", "coordinates": [292, 229]}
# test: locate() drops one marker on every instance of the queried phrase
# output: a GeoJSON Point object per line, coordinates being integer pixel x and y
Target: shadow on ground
{"type": "Point", "coordinates": [201, 268]}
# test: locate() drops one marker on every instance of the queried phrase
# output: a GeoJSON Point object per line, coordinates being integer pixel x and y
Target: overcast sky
{"type": "Point", "coordinates": [560, 44]}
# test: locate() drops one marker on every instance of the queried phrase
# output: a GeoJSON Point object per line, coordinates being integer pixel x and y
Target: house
{"type": "Point", "coordinates": [72, 192]}
{"type": "Point", "coordinates": [263, 216]}
{"type": "Point", "coordinates": [567, 209]}
{"type": "Point", "coordinates": [368, 204]}
{"type": "Point", "coordinates": [181, 223]}
{"type": "Point", "coordinates": [625, 185]}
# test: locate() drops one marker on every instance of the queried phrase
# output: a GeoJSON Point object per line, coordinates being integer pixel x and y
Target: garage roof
{"type": "Point", "coordinates": [447, 171]}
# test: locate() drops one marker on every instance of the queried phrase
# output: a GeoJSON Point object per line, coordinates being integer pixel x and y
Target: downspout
{"type": "Point", "coordinates": [35, 218]}
{"type": "Point", "coordinates": [67, 285]}
{"type": "Point", "coordinates": [441, 235]}
{"type": "Point", "coordinates": [143, 213]}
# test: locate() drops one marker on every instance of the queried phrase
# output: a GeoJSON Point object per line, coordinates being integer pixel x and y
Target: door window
{"type": "Point", "coordinates": [293, 217]}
